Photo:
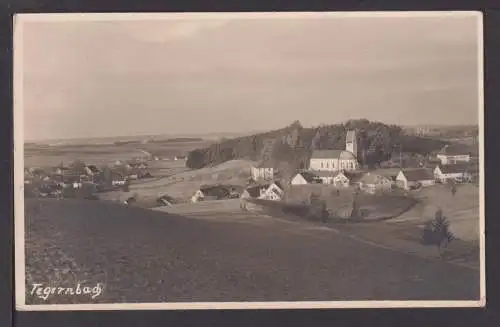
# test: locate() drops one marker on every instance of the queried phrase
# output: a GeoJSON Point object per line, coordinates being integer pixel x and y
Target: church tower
{"type": "Point", "coordinates": [351, 143]}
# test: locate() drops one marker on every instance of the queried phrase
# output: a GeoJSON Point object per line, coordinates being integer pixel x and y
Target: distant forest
{"type": "Point", "coordinates": [292, 146]}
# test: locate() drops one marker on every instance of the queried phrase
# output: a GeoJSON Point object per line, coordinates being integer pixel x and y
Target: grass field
{"type": "Point", "coordinates": [147, 256]}
{"type": "Point", "coordinates": [462, 210]}
{"type": "Point", "coordinates": [99, 154]}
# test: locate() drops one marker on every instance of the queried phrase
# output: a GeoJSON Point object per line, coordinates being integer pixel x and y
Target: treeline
{"type": "Point", "coordinates": [292, 146]}
{"type": "Point", "coordinates": [178, 139]}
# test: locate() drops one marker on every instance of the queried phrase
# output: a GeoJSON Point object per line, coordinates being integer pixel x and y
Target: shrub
{"type": "Point", "coordinates": [437, 231]}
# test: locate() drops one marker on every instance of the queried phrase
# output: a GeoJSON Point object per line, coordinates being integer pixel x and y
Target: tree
{"type": "Point", "coordinates": [77, 166]}
{"type": "Point", "coordinates": [317, 208]}
{"type": "Point", "coordinates": [355, 212]}
{"type": "Point", "coordinates": [107, 176]}
{"type": "Point", "coordinates": [437, 231]}
{"type": "Point", "coordinates": [453, 189]}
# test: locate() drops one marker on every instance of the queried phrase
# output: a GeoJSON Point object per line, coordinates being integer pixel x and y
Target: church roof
{"type": "Point", "coordinates": [332, 154]}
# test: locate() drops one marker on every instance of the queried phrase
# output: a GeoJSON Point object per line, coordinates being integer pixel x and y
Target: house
{"type": "Point", "coordinates": [453, 172]}
{"type": "Point", "coordinates": [214, 192]}
{"type": "Point", "coordinates": [411, 178]}
{"type": "Point", "coordinates": [263, 171]}
{"type": "Point", "coordinates": [180, 158]}
{"type": "Point", "coordinates": [274, 192]}
{"type": "Point", "coordinates": [91, 170]}
{"type": "Point", "coordinates": [254, 192]}
{"type": "Point", "coordinates": [372, 182]}
{"type": "Point", "coordinates": [117, 179]}
{"type": "Point", "coordinates": [454, 153]}
{"type": "Point", "coordinates": [140, 165]}
{"type": "Point", "coordinates": [336, 178]}
{"type": "Point", "coordinates": [165, 200]}
{"type": "Point", "coordinates": [61, 170]}
{"type": "Point", "coordinates": [305, 177]}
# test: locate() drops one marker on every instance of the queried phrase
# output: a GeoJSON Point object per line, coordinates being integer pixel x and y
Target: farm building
{"type": "Point", "coordinates": [254, 192]}
{"type": "Point", "coordinates": [455, 153]}
{"type": "Point", "coordinates": [409, 178]}
{"type": "Point", "coordinates": [305, 177]}
{"type": "Point", "coordinates": [91, 170]}
{"type": "Point", "coordinates": [274, 192]}
{"type": "Point", "coordinates": [207, 193]}
{"type": "Point", "coordinates": [263, 171]}
{"type": "Point", "coordinates": [373, 182]}
{"type": "Point", "coordinates": [117, 179]}
{"type": "Point", "coordinates": [454, 172]}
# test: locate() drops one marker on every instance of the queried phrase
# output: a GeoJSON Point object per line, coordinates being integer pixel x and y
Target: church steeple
{"type": "Point", "coordinates": [351, 143]}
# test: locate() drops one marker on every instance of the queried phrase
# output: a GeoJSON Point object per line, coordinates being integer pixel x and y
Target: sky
{"type": "Point", "coordinates": [84, 78]}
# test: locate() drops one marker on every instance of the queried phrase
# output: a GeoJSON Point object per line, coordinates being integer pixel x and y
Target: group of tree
{"type": "Point", "coordinates": [294, 143]}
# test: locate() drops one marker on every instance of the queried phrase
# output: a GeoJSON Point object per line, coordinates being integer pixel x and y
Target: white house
{"type": "Point", "coordinates": [408, 178]}
{"type": "Point", "coordinates": [452, 154]}
{"type": "Point", "coordinates": [456, 172]}
{"type": "Point", "coordinates": [274, 192]}
{"type": "Point", "coordinates": [341, 180]}
{"type": "Point", "coordinates": [373, 182]}
{"type": "Point", "coordinates": [215, 192]}
{"type": "Point", "coordinates": [254, 192]}
{"type": "Point", "coordinates": [263, 171]}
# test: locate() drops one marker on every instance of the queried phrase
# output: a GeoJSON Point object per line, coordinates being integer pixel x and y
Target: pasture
{"type": "Point", "coordinates": [101, 154]}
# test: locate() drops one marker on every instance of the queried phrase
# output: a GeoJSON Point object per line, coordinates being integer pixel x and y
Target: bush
{"type": "Point", "coordinates": [437, 231]}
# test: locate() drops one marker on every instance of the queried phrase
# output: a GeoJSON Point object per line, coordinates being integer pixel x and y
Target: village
{"type": "Point", "coordinates": [334, 169]}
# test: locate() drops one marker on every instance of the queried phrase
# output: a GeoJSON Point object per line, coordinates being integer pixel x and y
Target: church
{"type": "Point", "coordinates": [337, 160]}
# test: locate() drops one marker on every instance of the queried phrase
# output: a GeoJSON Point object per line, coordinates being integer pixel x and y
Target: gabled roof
{"type": "Point", "coordinates": [354, 176]}
{"type": "Point", "coordinates": [415, 175]}
{"type": "Point", "coordinates": [217, 191]}
{"type": "Point", "coordinates": [93, 168]}
{"type": "Point", "coordinates": [278, 184]}
{"type": "Point", "coordinates": [254, 191]}
{"type": "Point", "coordinates": [455, 149]}
{"type": "Point", "coordinates": [373, 178]}
{"type": "Point", "coordinates": [455, 168]}
{"type": "Point", "coordinates": [308, 176]}
{"type": "Point", "coordinates": [326, 154]}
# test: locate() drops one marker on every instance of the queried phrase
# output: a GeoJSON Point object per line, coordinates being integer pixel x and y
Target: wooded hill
{"type": "Point", "coordinates": [291, 147]}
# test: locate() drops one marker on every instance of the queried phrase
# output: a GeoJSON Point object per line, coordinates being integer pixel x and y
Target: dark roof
{"type": "Point", "coordinates": [254, 191]}
{"type": "Point", "coordinates": [415, 175]}
{"type": "Point", "coordinates": [354, 176]}
{"type": "Point", "coordinates": [326, 154]}
{"type": "Point", "coordinates": [93, 168]}
{"type": "Point", "coordinates": [373, 178]}
{"type": "Point", "coordinates": [455, 168]}
{"type": "Point", "coordinates": [216, 191]}
{"type": "Point", "coordinates": [309, 176]}
{"type": "Point", "coordinates": [455, 149]}
{"type": "Point", "coordinates": [278, 183]}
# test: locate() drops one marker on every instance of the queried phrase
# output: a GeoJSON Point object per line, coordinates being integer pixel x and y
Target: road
{"type": "Point", "coordinates": [147, 256]}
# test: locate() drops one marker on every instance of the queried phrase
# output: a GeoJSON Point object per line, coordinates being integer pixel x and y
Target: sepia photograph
{"type": "Point", "coordinates": [248, 160]}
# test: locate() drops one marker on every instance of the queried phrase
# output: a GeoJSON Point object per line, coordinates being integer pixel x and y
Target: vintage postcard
{"type": "Point", "coordinates": [249, 160]}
